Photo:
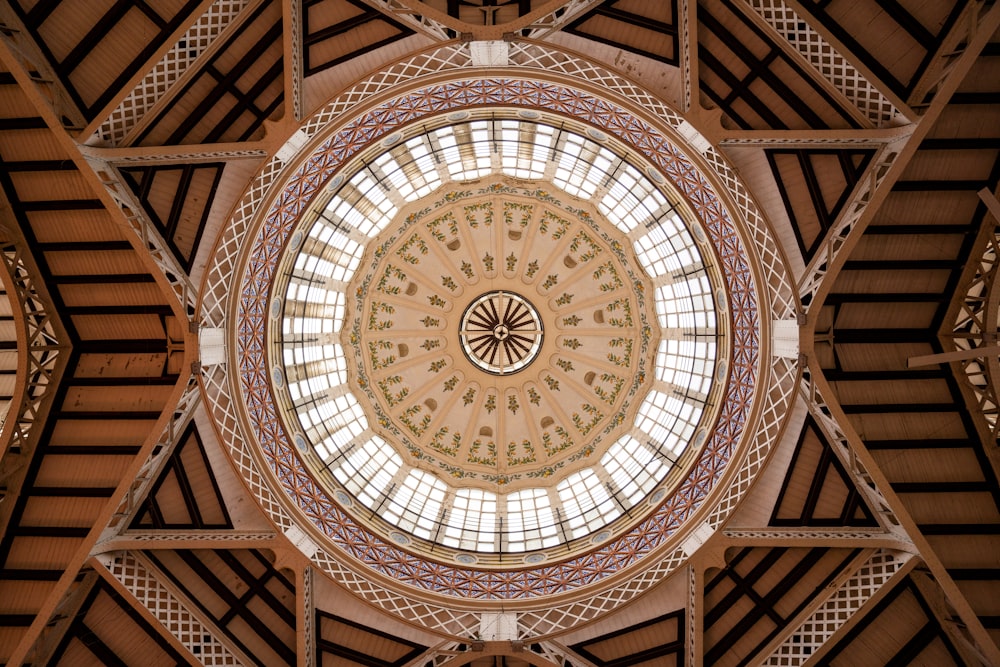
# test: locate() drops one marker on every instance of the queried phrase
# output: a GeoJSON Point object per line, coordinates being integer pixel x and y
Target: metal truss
{"type": "Point", "coordinates": [42, 350]}
{"type": "Point", "coordinates": [131, 574]}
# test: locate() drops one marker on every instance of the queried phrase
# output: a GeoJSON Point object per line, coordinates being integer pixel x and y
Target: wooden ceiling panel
{"type": "Point", "coordinates": [77, 652]}
{"type": "Point", "coordinates": [121, 294]}
{"type": "Point", "coordinates": [760, 591]}
{"type": "Point", "coordinates": [55, 20]}
{"type": "Point", "coordinates": [128, 326]}
{"type": "Point", "coordinates": [57, 187]}
{"type": "Point", "coordinates": [814, 186]}
{"type": "Point", "coordinates": [816, 490]}
{"type": "Point", "coordinates": [481, 12]}
{"type": "Point", "coordinates": [335, 31]}
{"type": "Point", "coordinates": [16, 110]}
{"type": "Point", "coordinates": [913, 247]}
{"type": "Point", "coordinates": [911, 31]}
{"type": "Point", "coordinates": [981, 84]}
{"type": "Point", "coordinates": [932, 651]}
{"type": "Point", "coordinates": [648, 29]}
{"type": "Point", "coordinates": [952, 506]}
{"type": "Point", "coordinates": [242, 594]}
{"type": "Point", "coordinates": [171, 508]}
{"type": "Point", "coordinates": [91, 77]}
{"type": "Point", "coordinates": [969, 552]}
{"type": "Point", "coordinates": [21, 597]}
{"type": "Point", "coordinates": [81, 472]}
{"type": "Point", "coordinates": [108, 628]}
{"type": "Point", "coordinates": [8, 382]}
{"type": "Point", "coordinates": [177, 199]}
{"type": "Point", "coordinates": [874, 316]}
{"type": "Point", "coordinates": [878, 356]}
{"type": "Point", "coordinates": [889, 282]}
{"type": "Point", "coordinates": [96, 47]}
{"type": "Point", "coordinates": [107, 631]}
{"type": "Point", "coordinates": [353, 42]}
{"type": "Point", "coordinates": [57, 513]}
{"type": "Point", "coordinates": [52, 553]}
{"type": "Point", "coordinates": [893, 392]}
{"type": "Point", "coordinates": [955, 166]}
{"type": "Point", "coordinates": [984, 596]}
{"type": "Point", "coordinates": [233, 92]}
{"type": "Point", "coordinates": [111, 368]}
{"type": "Point", "coordinates": [913, 426]}
{"type": "Point", "coordinates": [658, 641]}
{"type": "Point", "coordinates": [930, 464]}
{"type": "Point", "coordinates": [923, 212]}
{"type": "Point", "coordinates": [69, 473]}
{"type": "Point", "coordinates": [756, 84]}
{"type": "Point", "coordinates": [89, 263]}
{"type": "Point", "coordinates": [82, 433]}
{"type": "Point", "coordinates": [186, 495]}
{"type": "Point", "coordinates": [73, 226]}
{"type": "Point", "coordinates": [122, 398]}
{"type": "Point", "coordinates": [898, 630]}
{"type": "Point", "coordinates": [34, 144]}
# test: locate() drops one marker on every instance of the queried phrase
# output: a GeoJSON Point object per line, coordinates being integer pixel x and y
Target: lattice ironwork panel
{"type": "Point", "coordinates": [171, 612]}
{"type": "Point", "coordinates": [844, 603]}
{"type": "Point", "coordinates": [827, 61]}
{"type": "Point", "coordinates": [976, 324]}
{"type": "Point", "coordinates": [42, 343]}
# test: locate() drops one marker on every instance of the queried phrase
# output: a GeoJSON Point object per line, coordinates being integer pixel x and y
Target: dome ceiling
{"type": "Point", "coordinates": [509, 390]}
{"type": "Point", "coordinates": [388, 476]}
{"type": "Point", "coordinates": [192, 472]}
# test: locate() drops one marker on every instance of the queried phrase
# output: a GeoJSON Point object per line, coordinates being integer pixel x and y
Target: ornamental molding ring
{"type": "Point", "coordinates": [244, 262]}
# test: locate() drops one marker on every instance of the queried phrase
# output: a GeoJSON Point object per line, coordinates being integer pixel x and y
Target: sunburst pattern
{"type": "Point", "coordinates": [501, 332]}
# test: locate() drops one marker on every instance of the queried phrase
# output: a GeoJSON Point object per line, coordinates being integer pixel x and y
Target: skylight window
{"type": "Point", "coordinates": [586, 501]}
{"type": "Point", "coordinates": [472, 523]}
{"type": "Point", "coordinates": [633, 468]}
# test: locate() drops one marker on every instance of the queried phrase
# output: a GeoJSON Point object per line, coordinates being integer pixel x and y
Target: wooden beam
{"type": "Point", "coordinates": [869, 478]}
{"type": "Point", "coordinates": [936, 605]}
{"type": "Point", "coordinates": [954, 355]}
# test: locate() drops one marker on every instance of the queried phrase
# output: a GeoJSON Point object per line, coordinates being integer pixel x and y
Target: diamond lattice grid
{"type": "Point", "coordinates": [170, 611]}
{"type": "Point", "coordinates": [171, 67]}
{"type": "Point", "coordinates": [826, 60]}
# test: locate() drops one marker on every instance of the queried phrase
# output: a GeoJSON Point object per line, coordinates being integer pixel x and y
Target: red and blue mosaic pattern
{"type": "Point", "coordinates": [314, 501]}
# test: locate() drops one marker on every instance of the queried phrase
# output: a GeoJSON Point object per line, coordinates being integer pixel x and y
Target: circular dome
{"type": "Point", "coordinates": [497, 382]}
{"type": "Point", "coordinates": [355, 503]}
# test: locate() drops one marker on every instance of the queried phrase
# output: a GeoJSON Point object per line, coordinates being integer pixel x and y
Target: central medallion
{"type": "Point", "coordinates": [501, 332]}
